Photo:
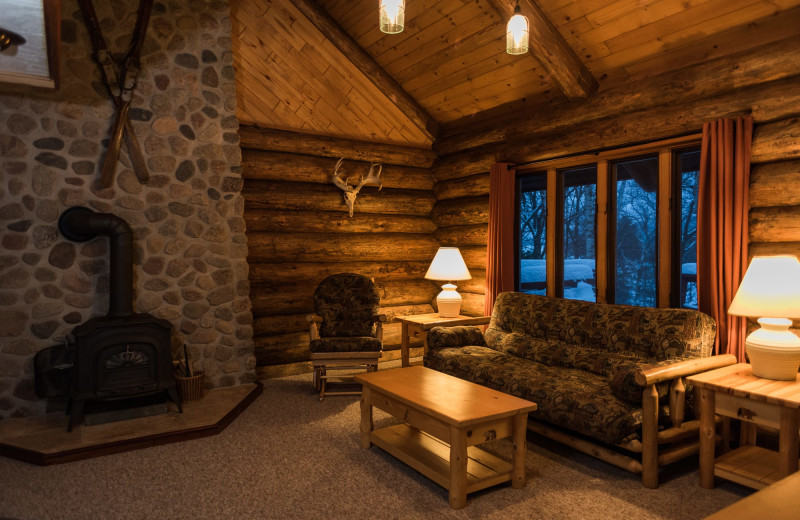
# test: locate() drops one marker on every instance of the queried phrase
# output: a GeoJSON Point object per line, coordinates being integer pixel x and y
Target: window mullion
{"type": "Point", "coordinates": [553, 234]}
{"type": "Point", "coordinates": [664, 215]}
{"type": "Point", "coordinates": [601, 250]}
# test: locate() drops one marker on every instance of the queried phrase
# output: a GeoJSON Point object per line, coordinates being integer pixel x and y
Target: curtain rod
{"type": "Point", "coordinates": [598, 151]}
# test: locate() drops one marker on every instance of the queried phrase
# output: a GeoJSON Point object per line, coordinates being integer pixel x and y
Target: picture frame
{"type": "Point", "coordinates": [37, 25]}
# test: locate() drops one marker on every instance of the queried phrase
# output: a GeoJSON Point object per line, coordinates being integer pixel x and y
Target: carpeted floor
{"type": "Point", "coordinates": [291, 456]}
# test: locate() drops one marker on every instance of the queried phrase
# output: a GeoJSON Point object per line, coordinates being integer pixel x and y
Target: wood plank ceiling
{"type": "Point", "coordinates": [451, 59]}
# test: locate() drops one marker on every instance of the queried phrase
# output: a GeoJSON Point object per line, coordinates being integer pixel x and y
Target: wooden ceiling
{"type": "Point", "coordinates": [449, 65]}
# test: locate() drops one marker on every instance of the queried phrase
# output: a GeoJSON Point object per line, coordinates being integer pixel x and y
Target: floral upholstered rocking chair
{"type": "Point", "coordinates": [346, 329]}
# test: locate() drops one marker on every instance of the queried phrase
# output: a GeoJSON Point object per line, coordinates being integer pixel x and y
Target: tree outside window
{"type": "Point", "coordinates": [629, 243]}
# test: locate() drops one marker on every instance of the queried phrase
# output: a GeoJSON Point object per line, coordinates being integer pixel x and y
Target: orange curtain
{"type": "Point", "coordinates": [722, 210]}
{"type": "Point", "coordinates": [500, 246]}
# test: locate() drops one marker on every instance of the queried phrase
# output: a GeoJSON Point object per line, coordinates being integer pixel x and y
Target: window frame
{"type": "Point", "coordinates": [666, 151]}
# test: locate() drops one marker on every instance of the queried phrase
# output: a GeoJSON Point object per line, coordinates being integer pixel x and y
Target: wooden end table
{"type": "Point", "coordinates": [419, 324]}
{"type": "Point", "coordinates": [734, 391]}
{"type": "Point", "coordinates": [444, 419]}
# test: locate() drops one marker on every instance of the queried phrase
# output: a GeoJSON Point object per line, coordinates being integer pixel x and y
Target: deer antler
{"type": "Point", "coordinates": [340, 183]}
{"type": "Point", "coordinates": [372, 180]}
{"type": "Point", "coordinates": [350, 192]}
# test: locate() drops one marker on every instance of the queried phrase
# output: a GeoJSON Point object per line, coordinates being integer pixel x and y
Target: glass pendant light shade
{"type": "Point", "coordinates": [393, 16]}
{"type": "Point", "coordinates": [517, 32]}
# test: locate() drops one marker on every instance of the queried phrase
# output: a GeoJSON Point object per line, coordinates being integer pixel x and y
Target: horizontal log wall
{"type": "Point", "coordinates": [662, 107]}
{"type": "Point", "coordinates": [774, 226]}
{"type": "Point", "coordinates": [299, 232]}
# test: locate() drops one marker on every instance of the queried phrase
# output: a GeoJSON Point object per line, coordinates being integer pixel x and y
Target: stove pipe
{"type": "Point", "coordinates": [81, 224]}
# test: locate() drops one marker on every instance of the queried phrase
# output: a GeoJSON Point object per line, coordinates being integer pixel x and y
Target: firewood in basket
{"type": "Point", "coordinates": [186, 358]}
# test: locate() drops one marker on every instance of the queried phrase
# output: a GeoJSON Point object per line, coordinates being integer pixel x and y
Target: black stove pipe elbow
{"type": "Point", "coordinates": [81, 224]}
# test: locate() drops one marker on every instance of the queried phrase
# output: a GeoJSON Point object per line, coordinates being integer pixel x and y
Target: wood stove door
{"type": "Point", "coordinates": [127, 368]}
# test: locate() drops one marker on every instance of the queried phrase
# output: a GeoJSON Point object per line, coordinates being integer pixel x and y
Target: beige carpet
{"type": "Point", "coordinates": [291, 456]}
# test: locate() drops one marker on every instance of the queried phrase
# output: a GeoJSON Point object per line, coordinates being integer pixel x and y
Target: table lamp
{"type": "Point", "coordinates": [770, 290]}
{"type": "Point", "coordinates": [448, 265]}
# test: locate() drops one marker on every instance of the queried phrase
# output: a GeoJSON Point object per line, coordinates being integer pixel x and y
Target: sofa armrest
{"type": "Point", "coordinates": [313, 323]}
{"type": "Point", "coordinates": [460, 336]}
{"type": "Point", "coordinates": [379, 320]}
{"type": "Point", "coordinates": [661, 373]}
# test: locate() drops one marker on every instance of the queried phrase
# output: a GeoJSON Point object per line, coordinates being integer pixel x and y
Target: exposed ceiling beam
{"type": "Point", "coordinates": [364, 62]}
{"type": "Point", "coordinates": [550, 48]}
{"type": "Point", "coordinates": [326, 146]}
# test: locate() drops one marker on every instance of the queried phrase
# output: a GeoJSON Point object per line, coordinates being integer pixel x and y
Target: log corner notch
{"type": "Point", "coordinates": [369, 67]}
{"type": "Point", "coordinates": [549, 47]}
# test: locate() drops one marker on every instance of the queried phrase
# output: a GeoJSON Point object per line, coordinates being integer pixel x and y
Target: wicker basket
{"type": "Point", "coordinates": [190, 388]}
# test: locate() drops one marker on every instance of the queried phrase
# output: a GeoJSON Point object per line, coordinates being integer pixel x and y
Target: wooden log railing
{"type": "Point", "coordinates": [659, 374]}
{"type": "Point", "coordinates": [652, 455]}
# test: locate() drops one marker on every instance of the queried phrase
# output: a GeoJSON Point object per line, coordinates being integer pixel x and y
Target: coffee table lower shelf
{"type": "Point", "coordinates": [431, 457]}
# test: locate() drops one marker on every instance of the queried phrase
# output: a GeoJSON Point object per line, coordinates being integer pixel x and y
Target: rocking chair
{"type": "Point", "coordinates": [346, 330]}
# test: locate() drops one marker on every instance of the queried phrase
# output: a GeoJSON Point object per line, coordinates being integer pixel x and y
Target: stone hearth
{"type": "Point", "coordinates": [190, 251]}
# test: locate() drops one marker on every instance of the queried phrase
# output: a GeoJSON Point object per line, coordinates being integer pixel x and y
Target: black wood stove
{"type": "Point", "coordinates": [120, 355]}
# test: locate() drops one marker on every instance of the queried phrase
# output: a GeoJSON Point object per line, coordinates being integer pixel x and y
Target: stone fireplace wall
{"type": "Point", "coordinates": [189, 233]}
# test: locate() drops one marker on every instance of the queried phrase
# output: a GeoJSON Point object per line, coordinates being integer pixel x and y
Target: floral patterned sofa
{"type": "Point", "coordinates": [613, 374]}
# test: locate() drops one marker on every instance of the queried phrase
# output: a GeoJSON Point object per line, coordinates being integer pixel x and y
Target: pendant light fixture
{"type": "Point", "coordinates": [393, 16]}
{"type": "Point", "coordinates": [517, 32]}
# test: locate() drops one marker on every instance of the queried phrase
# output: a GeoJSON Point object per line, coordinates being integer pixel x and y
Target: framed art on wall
{"type": "Point", "coordinates": [30, 31]}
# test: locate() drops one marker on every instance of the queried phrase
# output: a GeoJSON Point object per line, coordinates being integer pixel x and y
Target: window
{"type": "Point", "coordinates": [634, 223]}
{"type": "Point", "coordinates": [532, 233]}
{"type": "Point", "coordinates": [617, 226]}
{"type": "Point", "coordinates": [578, 210]}
{"type": "Point", "coordinates": [687, 182]}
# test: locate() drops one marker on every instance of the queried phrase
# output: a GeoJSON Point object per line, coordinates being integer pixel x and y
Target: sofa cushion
{"type": "Point", "coordinates": [440, 337]}
{"type": "Point", "coordinates": [559, 353]}
{"type": "Point", "coordinates": [567, 397]}
{"type": "Point", "coordinates": [346, 344]}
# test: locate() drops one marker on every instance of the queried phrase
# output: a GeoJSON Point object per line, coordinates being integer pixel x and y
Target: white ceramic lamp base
{"type": "Point", "coordinates": [774, 351]}
{"type": "Point", "coordinates": [449, 302]}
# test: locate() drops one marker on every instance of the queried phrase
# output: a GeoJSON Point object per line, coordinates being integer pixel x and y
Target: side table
{"type": "Point", "coordinates": [419, 324]}
{"type": "Point", "coordinates": [734, 391]}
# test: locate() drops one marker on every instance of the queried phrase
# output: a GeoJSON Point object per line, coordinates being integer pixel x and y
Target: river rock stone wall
{"type": "Point", "coordinates": [190, 246]}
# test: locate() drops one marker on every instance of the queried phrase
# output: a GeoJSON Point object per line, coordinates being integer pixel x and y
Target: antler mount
{"type": "Point", "coordinates": [350, 192]}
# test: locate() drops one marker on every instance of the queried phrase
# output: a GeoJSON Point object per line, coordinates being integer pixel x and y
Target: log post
{"type": "Point", "coordinates": [788, 447]}
{"type": "Point", "coordinates": [650, 437]}
{"type": "Point", "coordinates": [458, 467]}
{"type": "Point", "coordinates": [519, 447]}
{"type": "Point", "coordinates": [677, 401]}
{"type": "Point", "coordinates": [707, 438]}
{"type": "Point", "coordinates": [366, 418]}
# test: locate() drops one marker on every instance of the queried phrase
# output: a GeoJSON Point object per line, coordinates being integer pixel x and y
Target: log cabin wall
{"type": "Point", "coordinates": [299, 232]}
{"type": "Point", "coordinates": [764, 82]}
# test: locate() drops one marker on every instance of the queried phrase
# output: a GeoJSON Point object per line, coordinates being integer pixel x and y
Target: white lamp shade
{"type": "Point", "coordinates": [770, 289]}
{"type": "Point", "coordinates": [517, 32]}
{"type": "Point", "coordinates": [448, 265]}
{"type": "Point", "coordinates": [393, 16]}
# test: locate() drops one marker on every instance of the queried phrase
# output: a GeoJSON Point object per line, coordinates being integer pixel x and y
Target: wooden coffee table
{"type": "Point", "coordinates": [444, 418]}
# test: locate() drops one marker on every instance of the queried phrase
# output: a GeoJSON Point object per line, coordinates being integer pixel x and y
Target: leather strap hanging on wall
{"type": "Point", "coordinates": [120, 80]}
